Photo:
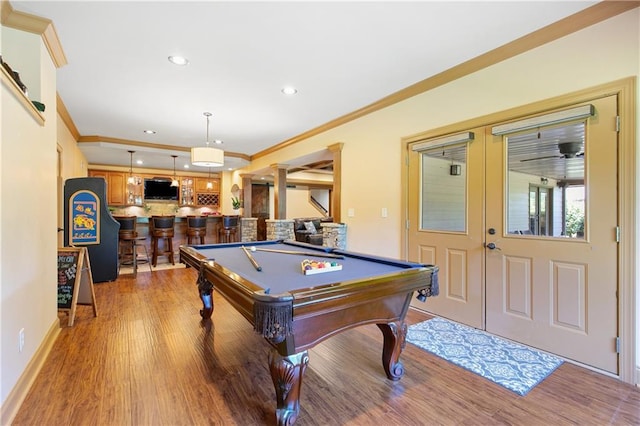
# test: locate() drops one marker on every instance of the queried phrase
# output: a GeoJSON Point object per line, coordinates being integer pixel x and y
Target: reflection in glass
{"type": "Point", "coordinates": [444, 177]}
{"type": "Point", "coordinates": [545, 182]}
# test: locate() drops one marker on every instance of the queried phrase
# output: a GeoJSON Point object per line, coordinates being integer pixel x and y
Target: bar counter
{"type": "Point", "coordinates": [214, 222]}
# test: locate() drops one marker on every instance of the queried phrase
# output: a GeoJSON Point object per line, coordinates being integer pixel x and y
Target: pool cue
{"type": "Point", "coordinates": [303, 253]}
{"type": "Point", "coordinates": [253, 261]}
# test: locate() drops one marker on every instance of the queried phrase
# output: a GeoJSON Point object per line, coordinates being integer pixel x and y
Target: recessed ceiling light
{"type": "Point", "coordinates": [149, 132]}
{"type": "Point", "coordinates": [178, 60]}
{"type": "Point", "coordinates": [139, 162]}
{"type": "Point", "coordinates": [186, 166]}
{"type": "Point", "coordinates": [289, 90]}
{"type": "Point", "coordinates": [218, 142]}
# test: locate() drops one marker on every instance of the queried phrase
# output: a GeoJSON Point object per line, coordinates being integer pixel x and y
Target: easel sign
{"type": "Point", "coordinates": [75, 282]}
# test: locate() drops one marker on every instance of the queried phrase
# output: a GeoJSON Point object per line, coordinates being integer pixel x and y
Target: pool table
{"type": "Point", "coordinates": [294, 311]}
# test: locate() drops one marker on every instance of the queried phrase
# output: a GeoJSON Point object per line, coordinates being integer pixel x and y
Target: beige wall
{"type": "Point", "coordinates": [298, 203]}
{"type": "Point", "coordinates": [27, 220]}
{"type": "Point", "coordinates": [74, 163]}
{"type": "Point", "coordinates": [371, 158]}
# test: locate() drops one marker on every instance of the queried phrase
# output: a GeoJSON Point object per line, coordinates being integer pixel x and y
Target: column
{"type": "Point", "coordinates": [280, 190]}
{"type": "Point", "coordinates": [249, 229]}
{"type": "Point", "coordinates": [246, 195]}
{"type": "Point", "coordinates": [336, 207]}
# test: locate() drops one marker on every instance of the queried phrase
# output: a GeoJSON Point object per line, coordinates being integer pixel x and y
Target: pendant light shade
{"type": "Point", "coordinates": [209, 183]}
{"type": "Point", "coordinates": [131, 180]}
{"type": "Point", "coordinates": [174, 182]}
{"type": "Point", "coordinates": [207, 156]}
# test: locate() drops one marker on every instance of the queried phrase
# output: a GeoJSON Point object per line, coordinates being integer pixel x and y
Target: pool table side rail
{"type": "Point", "coordinates": [381, 300]}
{"type": "Point", "coordinates": [315, 314]}
{"type": "Point", "coordinates": [239, 292]}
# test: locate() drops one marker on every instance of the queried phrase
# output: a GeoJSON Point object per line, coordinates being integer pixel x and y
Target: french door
{"type": "Point", "coordinates": [526, 244]}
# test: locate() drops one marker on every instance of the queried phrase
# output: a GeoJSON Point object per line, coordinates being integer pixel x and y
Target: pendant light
{"type": "Point", "coordinates": [209, 183]}
{"type": "Point", "coordinates": [174, 182]}
{"type": "Point", "coordinates": [131, 180]}
{"type": "Point", "coordinates": [207, 156]}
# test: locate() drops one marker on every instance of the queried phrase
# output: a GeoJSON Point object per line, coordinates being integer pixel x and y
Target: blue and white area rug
{"type": "Point", "coordinates": [514, 366]}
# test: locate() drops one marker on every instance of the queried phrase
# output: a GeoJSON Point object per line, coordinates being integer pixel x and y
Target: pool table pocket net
{"type": "Point", "coordinates": [273, 319]}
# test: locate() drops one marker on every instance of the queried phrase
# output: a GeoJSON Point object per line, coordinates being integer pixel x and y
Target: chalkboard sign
{"type": "Point", "coordinates": [67, 276]}
{"type": "Point", "coordinates": [75, 283]}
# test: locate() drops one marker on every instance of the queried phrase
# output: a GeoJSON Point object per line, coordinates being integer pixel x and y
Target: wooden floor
{"type": "Point", "coordinates": [148, 360]}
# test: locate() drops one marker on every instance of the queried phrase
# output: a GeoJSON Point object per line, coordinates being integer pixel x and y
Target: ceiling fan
{"type": "Point", "coordinates": [567, 150]}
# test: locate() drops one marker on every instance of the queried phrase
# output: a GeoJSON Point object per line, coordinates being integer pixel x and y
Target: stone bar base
{"type": "Point", "coordinates": [249, 228]}
{"type": "Point", "coordinates": [334, 235]}
{"type": "Point", "coordinates": [280, 229]}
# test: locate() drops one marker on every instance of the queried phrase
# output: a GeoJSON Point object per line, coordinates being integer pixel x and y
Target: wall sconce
{"type": "Point", "coordinates": [544, 180]}
{"type": "Point", "coordinates": [455, 170]}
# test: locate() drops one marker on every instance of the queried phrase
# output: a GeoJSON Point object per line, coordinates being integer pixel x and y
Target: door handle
{"type": "Point", "coordinates": [491, 246]}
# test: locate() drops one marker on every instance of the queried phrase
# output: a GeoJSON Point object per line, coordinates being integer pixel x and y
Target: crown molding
{"type": "Point", "coordinates": [578, 21]}
{"type": "Point", "coordinates": [66, 117]}
{"type": "Point", "coordinates": [130, 142]}
{"type": "Point", "coordinates": [44, 27]}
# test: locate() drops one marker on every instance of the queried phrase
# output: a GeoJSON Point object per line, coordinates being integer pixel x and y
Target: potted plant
{"type": "Point", "coordinates": [235, 203]}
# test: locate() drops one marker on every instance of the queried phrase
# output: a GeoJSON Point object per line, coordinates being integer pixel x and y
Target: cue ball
{"type": "Point", "coordinates": [253, 248]}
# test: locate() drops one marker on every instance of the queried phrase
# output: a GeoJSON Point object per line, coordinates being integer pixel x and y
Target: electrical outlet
{"type": "Point", "coordinates": [21, 339]}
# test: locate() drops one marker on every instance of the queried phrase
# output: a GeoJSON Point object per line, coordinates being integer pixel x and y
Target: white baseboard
{"type": "Point", "coordinates": [19, 392]}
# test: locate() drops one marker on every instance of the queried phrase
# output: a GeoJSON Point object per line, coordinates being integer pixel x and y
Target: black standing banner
{"type": "Point", "coordinates": [75, 283]}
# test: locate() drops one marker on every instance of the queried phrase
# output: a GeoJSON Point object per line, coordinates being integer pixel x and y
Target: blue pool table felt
{"type": "Point", "coordinates": [282, 272]}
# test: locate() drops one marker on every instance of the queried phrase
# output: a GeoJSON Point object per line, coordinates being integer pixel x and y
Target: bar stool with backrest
{"type": "Point", "coordinates": [125, 234]}
{"type": "Point", "coordinates": [196, 228]}
{"type": "Point", "coordinates": [229, 230]}
{"type": "Point", "coordinates": [129, 241]}
{"type": "Point", "coordinates": [161, 228]}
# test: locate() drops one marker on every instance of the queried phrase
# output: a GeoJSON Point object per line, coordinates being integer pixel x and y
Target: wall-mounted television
{"type": "Point", "coordinates": [159, 189]}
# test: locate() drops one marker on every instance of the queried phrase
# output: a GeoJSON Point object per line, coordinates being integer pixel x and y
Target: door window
{"type": "Point", "coordinates": [444, 188]}
{"type": "Point", "coordinates": [545, 181]}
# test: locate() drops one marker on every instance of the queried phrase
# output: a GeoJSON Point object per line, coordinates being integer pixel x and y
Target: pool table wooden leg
{"type": "Point", "coordinates": [395, 334]}
{"type": "Point", "coordinates": [205, 289]}
{"type": "Point", "coordinates": [286, 373]}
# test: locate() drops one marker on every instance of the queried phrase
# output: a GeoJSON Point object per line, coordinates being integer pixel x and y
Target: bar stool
{"type": "Point", "coordinates": [128, 243]}
{"type": "Point", "coordinates": [161, 228]}
{"type": "Point", "coordinates": [229, 230]}
{"type": "Point", "coordinates": [196, 228]}
{"type": "Point", "coordinates": [126, 232]}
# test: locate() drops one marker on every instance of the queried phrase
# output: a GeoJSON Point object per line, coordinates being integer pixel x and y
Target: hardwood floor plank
{"type": "Point", "coordinates": [149, 360]}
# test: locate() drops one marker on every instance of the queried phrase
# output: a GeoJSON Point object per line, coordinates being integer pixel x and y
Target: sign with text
{"type": "Point", "coordinates": [84, 220]}
{"type": "Point", "coordinates": [75, 283]}
{"type": "Point", "coordinates": [67, 274]}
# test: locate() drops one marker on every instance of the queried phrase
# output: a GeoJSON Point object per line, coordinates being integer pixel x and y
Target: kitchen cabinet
{"type": "Point", "coordinates": [201, 185]}
{"type": "Point", "coordinates": [187, 195]}
{"type": "Point", "coordinates": [116, 186]}
{"type": "Point", "coordinates": [207, 196]}
{"type": "Point", "coordinates": [192, 191]}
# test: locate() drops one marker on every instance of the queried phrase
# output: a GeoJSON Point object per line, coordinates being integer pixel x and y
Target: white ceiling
{"type": "Point", "coordinates": [341, 56]}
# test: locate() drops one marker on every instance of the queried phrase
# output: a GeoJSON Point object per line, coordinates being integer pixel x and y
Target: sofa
{"type": "Point", "coordinates": [309, 229]}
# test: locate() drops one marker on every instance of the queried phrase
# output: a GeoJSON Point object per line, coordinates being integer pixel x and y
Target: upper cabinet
{"type": "Point", "coordinates": [116, 186]}
{"type": "Point", "coordinates": [207, 192]}
{"type": "Point", "coordinates": [207, 185]}
{"type": "Point", "coordinates": [187, 195]}
{"type": "Point", "coordinates": [123, 192]}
